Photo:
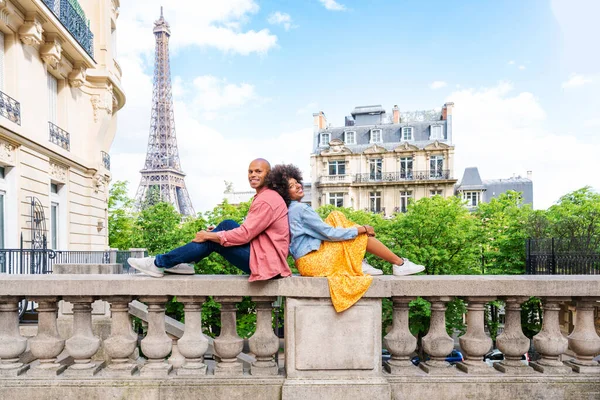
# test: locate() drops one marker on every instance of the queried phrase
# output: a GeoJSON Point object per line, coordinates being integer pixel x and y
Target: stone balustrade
{"type": "Point", "coordinates": [328, 355]}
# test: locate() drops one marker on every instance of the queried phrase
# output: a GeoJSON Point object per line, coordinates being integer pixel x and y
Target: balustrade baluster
{"type": "Point", "coordinates": [47, 344]}
{"type": "Point", "coordinates": [512, 342]}
{"type": "Point", "coordinates": [122, 341]}
{"type": "Point", "coordinates": [475, 343]}
{"type": "Point", "coordinates": [156, 345]}
{"type": "Point", "coordinates": [550, 342]}
{"type": "Point", "coordinates": [82, 345]}
{"type": "Point", "coordinates": [399, 341]}
{"type": "Point", "coordinates": [193, 344]}
{"type": "Point", "coordinates": [264, 343]}
{"type": "Point", "coordinates": [584, 340]}
{"type": "Point", "coordinates": [12, 344]}
{"type": "Point", "coordinates": [228, 345]}
{"type": "Point", "coordinates": [437, 343]}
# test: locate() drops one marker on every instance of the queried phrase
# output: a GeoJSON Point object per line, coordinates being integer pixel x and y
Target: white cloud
{"type": "Point", "coordinates": [437, 84]}
{"type": "Point", "coordinates": [504, 132]}
{"type": "Point", "coordinates": [309, 108]}
{"type": "Point", "coordinates": [333, 5]}
{"type": "Point", "coordinates": [212, 94]}
{"type": "Point", "coordinates": [511, 62]}
{"type": "Point", "coordinates": [522, 67]}
{"type": "Point", "coordinates": [283, 19]}
{"type": "Point", "coordinates": [576, 80]}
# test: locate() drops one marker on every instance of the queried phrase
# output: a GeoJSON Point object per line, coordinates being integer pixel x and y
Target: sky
{"type": "Point", "coordinates": [247, 75]}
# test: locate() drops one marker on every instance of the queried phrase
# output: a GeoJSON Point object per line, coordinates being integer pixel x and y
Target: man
{"type": "Point", "coordinates": [259, 246]}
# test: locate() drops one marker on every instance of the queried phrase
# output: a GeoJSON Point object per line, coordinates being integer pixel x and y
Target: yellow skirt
{"type": "Point", "coordinates": [341, 263]}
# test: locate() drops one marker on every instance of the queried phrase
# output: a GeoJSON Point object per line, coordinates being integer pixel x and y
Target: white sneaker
{"type": "Point", "coordinates": [146, 265]}
{"type": "Point", "coordinates": [181, 269]}
{"type": "Point", "coordinates": [408, 268]}
{"type": "Point", "coordinates": [369, 269]}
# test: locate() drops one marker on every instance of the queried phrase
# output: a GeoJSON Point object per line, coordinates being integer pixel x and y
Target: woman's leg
{"type": "Point", "coordinates": [378, 249]}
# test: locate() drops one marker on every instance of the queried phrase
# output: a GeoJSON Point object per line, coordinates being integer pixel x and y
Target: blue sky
{"type": "Point", "coordinates": [248, 74]}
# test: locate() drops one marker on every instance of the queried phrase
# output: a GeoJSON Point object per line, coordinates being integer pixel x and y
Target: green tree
{"type": "Point", "coordinates": [121, 223]}
{"type": "Point", "coordinates": [158, 225]}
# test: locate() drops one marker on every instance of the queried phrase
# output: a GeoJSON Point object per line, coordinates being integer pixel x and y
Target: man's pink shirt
{"type": "Point", "coordinates": [267, 229]}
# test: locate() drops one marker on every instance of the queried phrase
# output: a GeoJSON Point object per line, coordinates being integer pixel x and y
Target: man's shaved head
{"type": "Point", "coordinates": [257, 173]}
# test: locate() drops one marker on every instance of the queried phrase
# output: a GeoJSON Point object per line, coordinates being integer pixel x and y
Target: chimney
{"type": "Point", "coordinates": [319, 121]}
{"type": "Point", "coordinates": [447, 110]}
{"type": "Point", "coordinates": [529, 175]}
{"type": "Point", "coordinates": [395, 115]}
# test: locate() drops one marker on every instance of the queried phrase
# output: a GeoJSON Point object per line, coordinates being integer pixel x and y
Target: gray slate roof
{"type": "Point", "coordinates": [471, 180]}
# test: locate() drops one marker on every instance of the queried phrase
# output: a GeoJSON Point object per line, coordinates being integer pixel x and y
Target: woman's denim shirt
{"type": "Point", "coordinates": [307, 230]}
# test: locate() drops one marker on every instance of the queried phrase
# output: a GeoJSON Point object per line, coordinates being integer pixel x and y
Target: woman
{"type": "Point", "coordinates": [333, 248]}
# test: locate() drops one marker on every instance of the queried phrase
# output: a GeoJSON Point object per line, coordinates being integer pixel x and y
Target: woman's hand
{"type": "Point", "coordinates": [369, 230]}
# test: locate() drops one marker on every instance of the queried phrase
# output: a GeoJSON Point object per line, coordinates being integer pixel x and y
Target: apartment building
{"type": "Point", "coordinates": [60, 90]}
{"type": "Point", "coordinates": [378, 163]}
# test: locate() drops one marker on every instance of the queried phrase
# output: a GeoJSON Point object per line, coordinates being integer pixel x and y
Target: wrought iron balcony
{"type": "Point", "coordinates": [403, 175]}
{"type": "Point", "coordinates": [336, 179]}
{"type": "Point", "coordinates": [10, 108]}
{"type": "Point", "coordinates": [105, 160]}
{"type": "Point", "coordinates": [59, 136]}
{"type": "Point", "coordinates": [70, 14]}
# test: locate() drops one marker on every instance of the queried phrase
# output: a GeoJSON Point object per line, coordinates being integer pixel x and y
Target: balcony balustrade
{"type": "Point", "coordinates": [59, 136]}
{"type": "Point", "coordinates": [327, 355]}
{"type": "Point", "coordinates": [70, 14]}
{"type": "Point", "coordinates": [335, 179]}
{"type": "Point", "coordinates": [10, 108]}
{"type": "Point", "coordinates": [403, 175]}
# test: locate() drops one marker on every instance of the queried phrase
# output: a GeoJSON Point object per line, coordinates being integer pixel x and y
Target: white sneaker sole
{"type": "Point", "coordinates": [174, 271]}
{"type": "Point", "coordinates": [144, 271]}
{"type": "Point", "coordinates": [400, 272]}
{"type": "Point", "coordinates": [373, 272]}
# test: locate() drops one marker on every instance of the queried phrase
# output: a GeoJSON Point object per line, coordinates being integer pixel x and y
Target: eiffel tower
{"type": "Point", "coordinates": [162, 177]}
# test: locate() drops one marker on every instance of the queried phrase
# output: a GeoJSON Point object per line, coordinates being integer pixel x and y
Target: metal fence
{"type": "Point", "coordinates": [40, 261]}
{"type": "Point", "coordinates": [558, 256]}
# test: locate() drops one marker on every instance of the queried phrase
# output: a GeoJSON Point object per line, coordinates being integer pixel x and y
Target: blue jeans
{"type": "Point", "coordinates": [194, 252]}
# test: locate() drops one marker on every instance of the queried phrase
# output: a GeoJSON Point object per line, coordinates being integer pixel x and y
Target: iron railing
{"type": "Point", "coordinates": [70, 14]}
{"type": "Point", "coordinates": [40, 261]}
{"type": "Point", "coordinates": [105, 160]}
{"type": "Point", "coordinates": [10, 108]}
{"type": "Point", "coordinates": [59, 136]}
{"type": "Point", "coordinates": [402, 175]}
{"type": "Point", "coordinates": [561, 256]}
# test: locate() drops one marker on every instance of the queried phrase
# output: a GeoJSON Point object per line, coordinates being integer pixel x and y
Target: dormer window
{"type": "Point", "coordinates": [376, 136]}
{"type": "Point", "coordinates": [437, 132]}
{"type": "Point", "coordinates": [324, 139]}
{"type": "Point", "coordinates": [407, 133]}
{"type": "Point", "coordinates": [350, 137]}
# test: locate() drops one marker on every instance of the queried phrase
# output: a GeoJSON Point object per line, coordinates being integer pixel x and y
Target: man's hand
{"type": "Point", "coordinates": [201, 237]}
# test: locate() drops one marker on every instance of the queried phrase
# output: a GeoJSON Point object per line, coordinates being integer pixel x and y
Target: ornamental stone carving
{"type": "Point", "coordinates": [51, 51]}
{"type": "Point", "coordinates": [77, 75]}
{"type": "Point", "coordinates": [7, 153]}
{"type": "Point", "coordinates": [99, 182]}
{"type": "Point", "coordinates": [31, 31]}
{"type": "Point", "coordinates": [58, 172]}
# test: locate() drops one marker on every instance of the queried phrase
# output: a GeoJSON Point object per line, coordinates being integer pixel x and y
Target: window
{"type": "Point", "coordinates": [375, 202]}
{"type": "Point", "coordinates": [437, 132]}
{"type": "Point", "coordinates": [2, 220]}
{"type": "Point", "coordinates": [336, 199]}
{"type": "Point", "coordinates": [436, 165]}
{"type": "Point", "coordinates": [435, 193]}
{"type": "Point", "coordinates": [406, 167]}
{"type": "Point", "coordinates": [472, 198]}
{"type": "Point", "coordinates": [376, 136]}
{"type": "Point", "coordinates": [54, 226]}
{"type": "Point", "coordinates": [407, 133]}
{"type": "Point", "coordinates": [324, 139]}
{"type": "Point", "coordinates": [350, 137]}
{"type": "Point", "coordinates": [52, 98]}
{"type": "Point", "coordinates": [337, 168]}
{"type": "Point", "coordinates": [1, 61]}
{"type": "Point", "coordinates": [375, 169]}
{"type": "Point", "coordinates": [405, 196]}
{"type": "Point", "coordinates": [2, 172]}
{"type": "Point", "coordinates": [53, 188]}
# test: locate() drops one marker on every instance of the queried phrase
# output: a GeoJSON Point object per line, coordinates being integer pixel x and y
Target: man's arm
{"type": "Point", "coordinates": [258, 219]}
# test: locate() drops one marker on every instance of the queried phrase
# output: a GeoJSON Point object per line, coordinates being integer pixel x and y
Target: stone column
{"type": "Point", "coordinates": [47, 344]}
{"type": "Point", "coordinates": [156, 345]}
{"type": "Point", "coordinates": [475, 343]}
{"type": "Point", "coordinates": [83, 344]}
{"type": "Point", "coordinates": [264, 343]}
{"type": "Point", "coordinates": [122, 341]}
{"type": "Point", "coordinates": [193, 344]}
{"type": "Point", "coordinates": [584, 340]}
{"type": "Point", "coordinates": [228, 345]}
{"type": "Point", "coordinates": [399, 341]}
{"type": "Point", "coordinates": [12, 344]}
{"type": "Point", "coordinates": [550, 342]}
{"type": "Point", "coordinates": [437, 343]}
{"type": "Point", "coordinates": [512, 342]}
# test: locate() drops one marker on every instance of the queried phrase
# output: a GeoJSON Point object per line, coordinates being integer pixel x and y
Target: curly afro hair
{"type": "Point", "coordinates": [278, 179]}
